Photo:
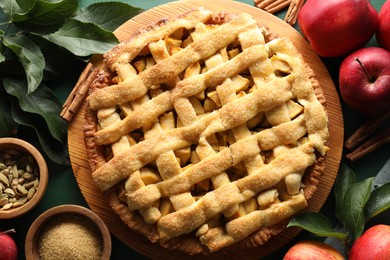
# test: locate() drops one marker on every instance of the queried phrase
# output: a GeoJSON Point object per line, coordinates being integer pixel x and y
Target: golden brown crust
{"type": "Point", "coordinates": [138, 196]}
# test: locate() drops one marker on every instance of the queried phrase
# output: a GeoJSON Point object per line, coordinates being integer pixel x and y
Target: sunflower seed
{"type": "Point", "coordinates": [19, 178]}
{"type": "Point", "coordinates": [15, 173]}
{"type": "Point", "coordinates": [29, 184]}
{"type": "Point", "coordinates": [21, 172]}
{"type": "Point", "coordinates": [19, 202]}
{"type": "Point", "coordinates": [21, 189]}
{"type": "Point", "coordinates": [3, 201]}
{"type": "Point", "coordinates": [36, 183]}
{"type": "Point", "coordinates": [10, 192]}
{"type": "Point", "coordinates": [7, 206]}
{"type": "Point", "coordinates": [31, 193]}
{"type": "Point", "coordinates": [4, 179]}
{"type": "Point", "coordinates": [28, 176]}
{"type": "Point", "coordinates": [14, 183]}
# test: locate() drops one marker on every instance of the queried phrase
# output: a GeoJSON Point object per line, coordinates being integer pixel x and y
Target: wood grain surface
{"type": "Point", "coordinates": [95, 198]}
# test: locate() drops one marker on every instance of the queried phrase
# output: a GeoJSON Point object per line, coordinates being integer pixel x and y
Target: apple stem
{"type": "Point", "coordinates": [370, 78]}
{"type": "Point", "coordinates": [8, 232]}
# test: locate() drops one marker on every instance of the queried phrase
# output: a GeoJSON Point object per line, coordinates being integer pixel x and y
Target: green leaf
{"type": "Point", "coordinates": [56, 151]}
{"type": "Point", "coordinates": [317, 224]}
{"type": "Point", "coordinates": [354, 202]}
{"type": "Point", "coordinates": [30, 56]}
{"type": "Point", "coordinates": [108, 16]}
{"type": "Point", "coordinates": [4, 21]}
{"type": "Point", "coordinates": [34, 35]}
{"type": "Point", "coordinates": [383, 176]}
{"type": "Point", "coordinates": [378, 202]}
{"type": "Point", "coordinates": [11, 67]}
{"type": "Point", "coordinates": [59, 62]}
{"type": "Point", "coordinates": [41, 102]}
{"type": "Point", "coordinates": [13, 7]}
{"type": "Point", "coordinates": [83, 39]}
{"type": "Point", "coordinates": [7, 124]}
{"type": "Point", "coordinates": [45, 12]}
{"type": "Point", "coordinates": [6, 27]}
{"type": "Point", "coordinates": [2, 58]}
{"type": "Point", "coordinates": [345, 178]}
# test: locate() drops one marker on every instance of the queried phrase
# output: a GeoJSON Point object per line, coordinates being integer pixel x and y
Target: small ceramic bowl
{"type": "Point", "coordinates": [22, 146]}
{"type": "Point", "coordinates": [59, 215]}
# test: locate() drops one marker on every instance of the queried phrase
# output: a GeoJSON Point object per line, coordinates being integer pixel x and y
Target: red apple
{"type": "Point", "coordinates": [373, 244]}
{"type": "Point", "coordinates": [8, 249]}
{"type": "Point", "coordinates": [364, 80]}
{"type": "Point", "coordinates": [312, 250]}
{"type": "Point", "coordinates": [337, 27]}
{"type": "Point", "coordinates": [383, 32]}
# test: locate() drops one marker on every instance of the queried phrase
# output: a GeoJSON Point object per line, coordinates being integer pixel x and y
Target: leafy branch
{"type": "Point", "coordinates": [42, 44]}
{"type": "Point", "coordinates": [356, 204]}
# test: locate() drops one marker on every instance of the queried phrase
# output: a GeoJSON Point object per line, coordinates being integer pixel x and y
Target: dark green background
{"type": "Point", "coordinates": [63, 189]}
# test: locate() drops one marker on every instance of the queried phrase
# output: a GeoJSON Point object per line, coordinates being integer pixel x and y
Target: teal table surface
{"type": "Point", "coordinates": [63, 188]}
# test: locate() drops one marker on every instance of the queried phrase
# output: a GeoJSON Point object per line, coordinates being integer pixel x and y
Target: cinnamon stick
{"type": "Point", "coordinates": [78, 94]}
{"type": "Point", "coordinates": [272, 6]}
{"type": "Point", "coordinates": [263, 3]}
{"type": "Point", "coordinates": [370, 145]}
{"type": "Point", "coordinates": [277, 6]}
{"type": "Point", "coordinates": [293, 10]}
{"type": "Point", "coordinates": [363, 132]}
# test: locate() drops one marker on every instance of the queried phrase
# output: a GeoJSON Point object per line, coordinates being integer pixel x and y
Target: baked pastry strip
{"type": "Point", "coordinates": [199, 50]}
{"type": "Point", "coordinates": [185, 88]}
{"type": "Point", "coordinates": [279, 63]}
{"type": "Point", "coordinates": [127, 51]}
{"type": "Point", "coordinates": [221, 200]}
{"type": "Point", "coordinates": [240, 228]}
{"type": "Point", "coordinates": [166, 163]}
{"type": "Point", "coordinates": [214, 202]}
{"type": "Point", "coordinates": [227, 92]}
{"type": "Point", "coordinates": [186, 112]}
{"type": "Point", "coordinates": [233, 114]}
{"type": "Point", "coordinates": [289, 132]}
{"type": "Point", "coordinates": [238, 132]}
{"type": "Point", "coordinates": [302, 87]}
{"type": "Point", "coordinates": [109, 116]}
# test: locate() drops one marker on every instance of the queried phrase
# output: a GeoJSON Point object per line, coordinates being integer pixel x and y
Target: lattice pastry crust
{"type": "Point", "coordinates": [206, 132]}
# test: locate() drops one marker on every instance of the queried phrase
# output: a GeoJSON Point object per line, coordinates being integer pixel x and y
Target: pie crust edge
{"type": "Point", "coordinates": [187, 243]}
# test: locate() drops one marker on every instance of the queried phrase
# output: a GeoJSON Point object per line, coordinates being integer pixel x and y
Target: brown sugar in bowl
{"type": "Point", "coordinates": [7, 144]}
{"type": "Point", "coordinates": [54, 218]}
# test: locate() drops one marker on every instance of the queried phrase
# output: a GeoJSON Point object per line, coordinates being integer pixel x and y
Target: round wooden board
{"type": "Point", "coordinates": [97, 201]}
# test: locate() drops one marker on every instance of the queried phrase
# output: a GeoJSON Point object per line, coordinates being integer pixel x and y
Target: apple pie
{"type": "Point", "coordinates": [206, 131]}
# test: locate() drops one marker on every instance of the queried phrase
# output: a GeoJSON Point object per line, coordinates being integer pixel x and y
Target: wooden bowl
{"type": "Point", "coordinates": [38, 227]}
{"type": "Point", "coordinates": [27, 148]}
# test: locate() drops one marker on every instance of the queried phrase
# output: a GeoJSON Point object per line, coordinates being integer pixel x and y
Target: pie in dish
{"type": "Point", "coordinates": [207, 132]}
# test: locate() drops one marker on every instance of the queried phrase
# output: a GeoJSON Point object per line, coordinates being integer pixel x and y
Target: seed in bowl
{"type": "Point", "coordinates": [19, 178]}
{"type": "Point", "coordinates": [70, 237]}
